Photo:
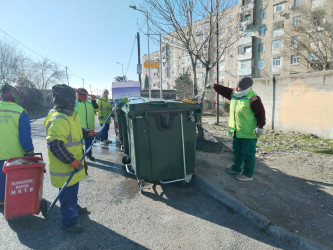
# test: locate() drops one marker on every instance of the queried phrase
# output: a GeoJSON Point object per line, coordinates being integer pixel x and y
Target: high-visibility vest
{"type": "Point", "coordinates": [10, 145]}
{"type": "Point", "coordinates": [87, 114]}
{"type": "Point", "coordinates": [67, 129]}
{"type": "Point", "coordinates": [241, 116]}
{"type": "Point", "coordinates": [104, 110]}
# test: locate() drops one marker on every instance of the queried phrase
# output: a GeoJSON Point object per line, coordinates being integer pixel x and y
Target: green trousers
{"type": "Point", "coordinates": [244, 152]}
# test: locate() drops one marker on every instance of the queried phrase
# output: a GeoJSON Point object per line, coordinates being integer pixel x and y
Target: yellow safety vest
{"type": "Point", "coordinates": [104, 110]}
{"type": "Point", "coordinates": [67, 129]}
{"type": "Point", "coordinates": [10, 145]}
{"type": "Point", "coordinates": [87, 114]}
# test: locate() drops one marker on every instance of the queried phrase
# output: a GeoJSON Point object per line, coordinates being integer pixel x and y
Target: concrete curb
{"type": "Point", "coordinates": [202, 184]}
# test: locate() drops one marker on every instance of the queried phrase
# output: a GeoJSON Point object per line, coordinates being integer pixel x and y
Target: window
{"type": "Point", "coordinates": [295, 41]}
{"type": "Point", "coordinates": [214, 75]}
{"type": "Point", "coordinates": [261, 64]}
{"type": "Point", "coordinates": [262, 30]}
{"type": "Point", "coordinates": [276, 61]}
{"type": "Point", "coordinates": [261, 47]}
{"type": "Point", "coordinates": [229, 29]}
{"type": "Point", "coordinates": [243, 64]}
{"type": "Point", "coordinates": [230, 17]}
{"type": "Point", "coordinates": [229, 73]}
{"type": "Point", "coordinates": [297, 3]}
{"type": "Point", "coordinates": [317, 3]}
{"type": "Point", "coordinates": [230, 62]}
{"type": "Point", "coordinates": [230, 41]}
{"type": "Point", "coordinates": [221, 74]}
{"type": "Point", "coordinates": [229, 83]}
{"type": "Point", "coordinates": [294, 59]}
{"type": "Point", "coordinates": [222, 65]}
{"type": "Point", "coordinates": [277, 44]}
{"type": "Point", "coordinates": [296, 21]}
{"type": "Point", "coordinates": [222, 43]}
{"type": "Point", "coordinates": [248, 49]}
{"type": "Point", "coordinates": [230, 51]}
{"type": "Point", "coordinates": [263, 13]}
{"type": "Point", "coordinates": [222, 31]}
{"type": "Point", "coordinates": [278, 8]}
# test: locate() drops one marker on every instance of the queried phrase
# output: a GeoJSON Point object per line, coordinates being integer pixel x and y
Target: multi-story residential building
{"type": "Point", "coordinates": [267, 44]}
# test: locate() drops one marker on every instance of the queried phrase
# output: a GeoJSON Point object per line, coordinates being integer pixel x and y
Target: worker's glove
{"type": "Point", "coordinates": [76, 164]}
{"type": "Point", "coordinates": [258, 131]}
{"type": "Point", "coordinates": [209, 85]}
{"type": "Point", "coordinates": [92, 133]}
{"type": "Point", "coordinates": [93, 97]}
{"type": "Point", "coordinates": [29, 153]}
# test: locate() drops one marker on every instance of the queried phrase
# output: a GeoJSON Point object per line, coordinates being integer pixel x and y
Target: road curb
{"type": "Point", "coordinates": [202, 184]}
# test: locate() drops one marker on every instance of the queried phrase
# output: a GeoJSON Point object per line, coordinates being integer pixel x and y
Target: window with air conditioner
{"type": "Point", "coordinates": [278, 8]}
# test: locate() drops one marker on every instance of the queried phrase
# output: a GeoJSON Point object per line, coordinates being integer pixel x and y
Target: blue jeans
{"type": "Point", "coordinates": [68, 205]}
{"type": "Point", "coordinates": [105, 132]}
{"type": "Point", "coordinates": [87, 143]}
{"type": "Point", "coordinates": [2, 182]}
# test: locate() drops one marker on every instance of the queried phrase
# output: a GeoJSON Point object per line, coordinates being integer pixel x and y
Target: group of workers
{"type": "Point", "coordinates": [72, 121]}
{"type": "Point", "coordinates": [68, 125]}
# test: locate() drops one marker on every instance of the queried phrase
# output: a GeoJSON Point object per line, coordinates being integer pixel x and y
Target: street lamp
{"type": "Point", "coordinates": [122, 69]}
{"type": "Point", "coordinates": [146, 13]}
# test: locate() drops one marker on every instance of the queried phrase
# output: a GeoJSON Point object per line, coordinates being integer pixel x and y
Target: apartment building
{"type": "Point", "coordinates": [266, 43]}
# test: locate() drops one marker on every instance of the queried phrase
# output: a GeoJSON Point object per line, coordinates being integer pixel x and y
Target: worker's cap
{"type": "Point", "coordinates": [245, 83]}
{"type": "Point", "coordinates": [105, 91]}
{"type": "Point", "coordinates": [63, 96]}
{"type": "Point", "coordinates": [82, 91]}
{"type": "Point", "coordinates": [9, 92]}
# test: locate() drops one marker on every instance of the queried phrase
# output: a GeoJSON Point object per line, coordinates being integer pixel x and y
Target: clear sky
{"type": "Point", "coordinates": [87, 36]}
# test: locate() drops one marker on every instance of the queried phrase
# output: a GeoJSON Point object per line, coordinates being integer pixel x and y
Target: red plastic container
{"type": "Point", "coordinates": [24, 187]}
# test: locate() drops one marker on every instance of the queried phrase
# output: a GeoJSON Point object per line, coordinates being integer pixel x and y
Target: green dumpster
{"type": "Point", "coordinates": [162, 139]}
{"type": "Point", "coordinates": [122, 126]}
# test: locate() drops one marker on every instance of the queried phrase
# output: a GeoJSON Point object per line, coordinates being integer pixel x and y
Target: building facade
{"type": "Point", "coordinates": [265, 40]}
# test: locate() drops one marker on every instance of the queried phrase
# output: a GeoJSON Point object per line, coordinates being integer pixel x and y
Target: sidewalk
{"type": "Point", "coordinates": [252, 199]}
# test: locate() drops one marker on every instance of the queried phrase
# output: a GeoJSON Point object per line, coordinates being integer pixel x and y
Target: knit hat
{"type": "Point", "coordinates": [105, 91]}
{"type": "Point", "coordinates": [9, 92]}
{"type": "Point", "coordinates": [82, 94]}
{"type": "Point", "coordinates": [244, 83]}
{"type": "Point", "coordinates": [63, 97]}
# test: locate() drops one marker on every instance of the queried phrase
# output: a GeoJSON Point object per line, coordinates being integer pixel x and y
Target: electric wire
{"type": "Point", "coordinates": [129, 61]}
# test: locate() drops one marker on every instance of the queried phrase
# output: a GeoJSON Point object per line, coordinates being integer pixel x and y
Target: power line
{"type": "Point", "coordinates": [131, 54]}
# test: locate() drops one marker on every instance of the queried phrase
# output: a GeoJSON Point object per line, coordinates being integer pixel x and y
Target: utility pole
{"type": "Point", "coordinates": [161, 92]}
{"type": "Point", "coordinates": [83, 82]}
{"type": "Point", "coordinates": [217, 63]}
{"type": "Point", "coordinates": [67, 76]}
{"type": "Point", "coordinates": [90, 90]}
{"type": "Point", "coordinates": [139, 70]}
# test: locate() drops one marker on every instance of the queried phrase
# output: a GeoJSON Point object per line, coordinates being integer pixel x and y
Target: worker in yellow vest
{"type": "Point", "coordinates": [15, 131]}
{"type": "Point", "coordinates": [103, 112]}
{"type": "Point", "coordinates": [64, 137]}
{"type": "Point", "coordinates": [86, 110]}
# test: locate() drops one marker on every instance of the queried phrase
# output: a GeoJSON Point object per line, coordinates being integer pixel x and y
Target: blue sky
{"type": "Point", "coordinates": [87, 36]}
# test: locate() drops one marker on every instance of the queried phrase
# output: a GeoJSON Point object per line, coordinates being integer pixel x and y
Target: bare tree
{"type": "Point", "coordinates": [11, 62]}
{"type": "Point", "coordinates": [310, 40]}
{"type": "Point", "coordinates": [191, 25]}
{"type": "Point", "coordinates": [46, 73]}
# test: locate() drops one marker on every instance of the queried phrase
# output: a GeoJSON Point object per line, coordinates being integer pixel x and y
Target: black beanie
{"type": "Point", "coordinates": [63, 97]}
{"type": "Point", "coordinates": [245, 83]}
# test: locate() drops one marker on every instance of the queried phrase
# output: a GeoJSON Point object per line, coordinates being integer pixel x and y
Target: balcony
{"type": "Point", "coordinates": [279, 32]}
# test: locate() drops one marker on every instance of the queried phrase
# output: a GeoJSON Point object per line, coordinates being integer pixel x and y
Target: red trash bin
{"type": "Point", "coordinates": [24, 186]}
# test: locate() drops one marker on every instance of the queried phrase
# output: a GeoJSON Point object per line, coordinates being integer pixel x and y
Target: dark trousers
{"type": "Point", "coordinates": [244, 152]}
{"type": "Point", "coordinates": [2, 182]}
{"type": "Point", "coordinates": [68, 205]}
{"type": "Point", "coordinates": [105, 132]}
{"type": "Point", "coordinates": [87, 143]}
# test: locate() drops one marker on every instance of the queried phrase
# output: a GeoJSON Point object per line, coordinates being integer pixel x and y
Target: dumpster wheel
{"type": "Point", "coordinates": [43, 207]}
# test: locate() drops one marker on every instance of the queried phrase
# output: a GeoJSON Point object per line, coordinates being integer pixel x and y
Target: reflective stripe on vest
{"type": "Point", "coordinates": [69, 143]}
{"type": "Point", "coordinates": [11, 111]}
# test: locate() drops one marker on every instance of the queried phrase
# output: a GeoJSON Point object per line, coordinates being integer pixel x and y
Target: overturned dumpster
{"type": "Point", "coordinates": [161, 139]}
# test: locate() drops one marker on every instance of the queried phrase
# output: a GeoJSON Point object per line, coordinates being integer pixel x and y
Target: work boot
{"type": "Point", "coordinates": [92, 158]}
{"type": "Point", "coordinates": [242, 177]}
{"type": "Point", "coordinates": [231, 171]}
{"type": "Point", "coordinates": [82, 210]}
{"type": "Point", "coordinates": [75, 228]}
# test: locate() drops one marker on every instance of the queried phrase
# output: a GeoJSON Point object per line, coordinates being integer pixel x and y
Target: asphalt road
{"type": "Point", "coordinates": [163, 217]}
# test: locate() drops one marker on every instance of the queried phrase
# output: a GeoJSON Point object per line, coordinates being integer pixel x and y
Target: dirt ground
{"type": "Point", "coordinates": [292, 188]}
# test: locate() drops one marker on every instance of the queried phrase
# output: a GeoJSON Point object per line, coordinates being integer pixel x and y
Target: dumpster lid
{"type": "Point", "coordinates": [140, 104]}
